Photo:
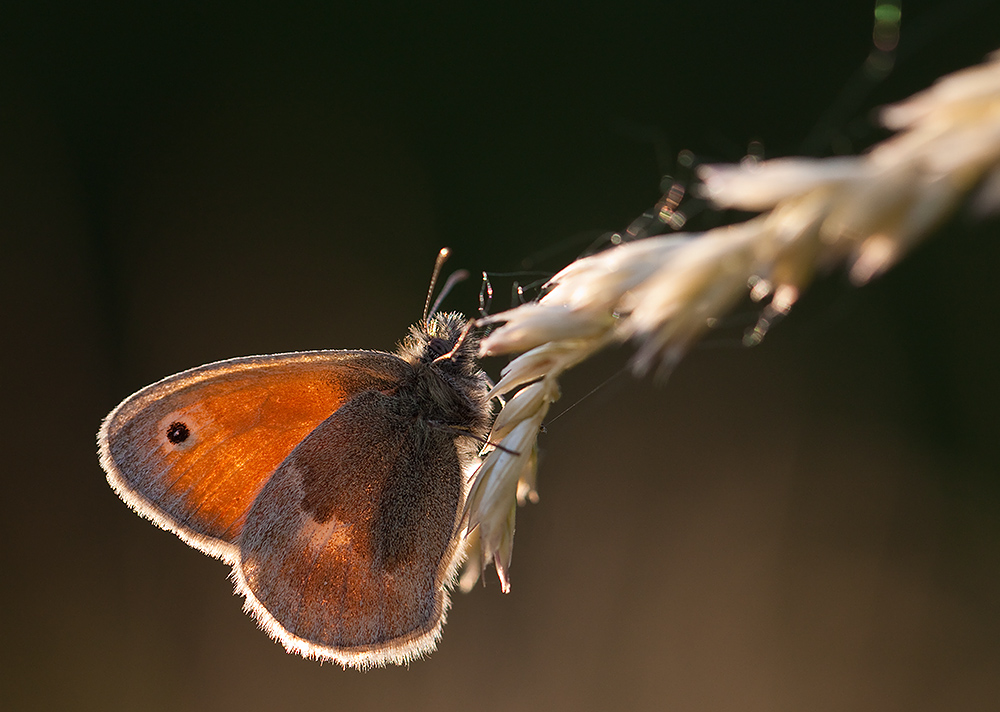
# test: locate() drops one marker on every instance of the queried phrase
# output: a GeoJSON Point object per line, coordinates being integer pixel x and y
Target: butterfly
{"type": "Point", "coordinates": [333, 482]}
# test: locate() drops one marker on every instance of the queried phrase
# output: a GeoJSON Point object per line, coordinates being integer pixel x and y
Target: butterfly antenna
{"type": "Point", "coordinates": [443, 255]}
{"type": "Point", "coordinates": [453, 279]}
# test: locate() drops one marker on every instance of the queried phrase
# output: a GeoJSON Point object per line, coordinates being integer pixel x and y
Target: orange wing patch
{"type": "Point", "coordinates": [193, 451]}
{"type": "Point", "coordinates": [241, 434]}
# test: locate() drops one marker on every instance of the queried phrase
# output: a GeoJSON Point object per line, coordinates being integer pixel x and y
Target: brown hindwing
{"type": "Point", "coordinates": [345, 550]}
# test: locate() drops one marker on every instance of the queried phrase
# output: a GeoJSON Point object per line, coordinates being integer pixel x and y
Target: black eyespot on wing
{"type": "Point", "coordinates": [178, 432]}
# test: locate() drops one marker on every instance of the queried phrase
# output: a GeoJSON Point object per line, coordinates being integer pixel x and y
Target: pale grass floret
{"type": "Point", "coordinates": [662, 293]}
{"type": "Point", "coordinates": [498, 480]}
{"type": "Point", "coordinates": [760, 185]}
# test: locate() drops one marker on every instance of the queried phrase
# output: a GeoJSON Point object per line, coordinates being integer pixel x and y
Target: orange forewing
{"type": "Point", "coordinates": [233, 422]}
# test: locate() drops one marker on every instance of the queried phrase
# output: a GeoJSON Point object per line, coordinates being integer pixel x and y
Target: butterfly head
{"type": "Point", "coordinates": [444, 339]}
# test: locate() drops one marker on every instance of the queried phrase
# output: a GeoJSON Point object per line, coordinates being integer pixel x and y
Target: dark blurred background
{"type": "Point", "coordinates": [813, 524]}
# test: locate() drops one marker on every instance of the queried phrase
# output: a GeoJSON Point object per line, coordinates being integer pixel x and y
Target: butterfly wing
{"type": "Point", "coordinates": [347, 549]}
{"type": "Point", "coordinates": [192, 451]}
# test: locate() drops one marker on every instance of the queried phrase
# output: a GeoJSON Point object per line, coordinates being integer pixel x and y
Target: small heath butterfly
{"type": "Point", "coordinates": [332, 481]}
